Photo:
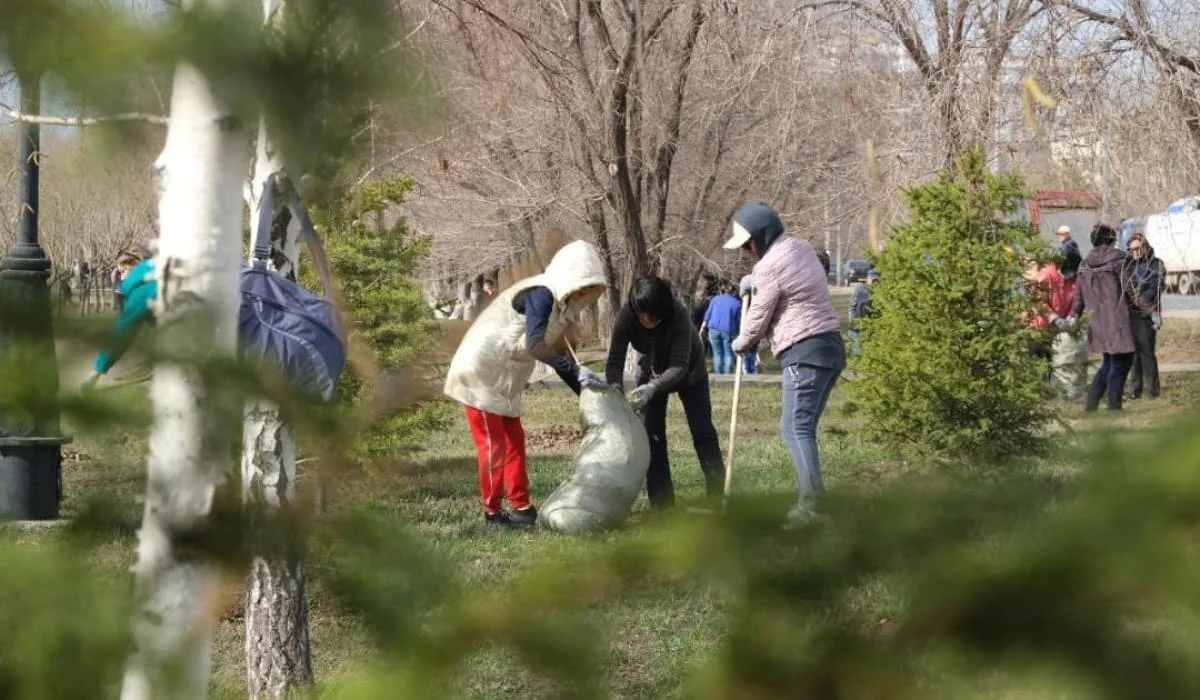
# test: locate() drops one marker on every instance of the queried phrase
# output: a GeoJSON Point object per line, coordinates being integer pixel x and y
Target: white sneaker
{"type": "Point", "coordinates": [800, 515]}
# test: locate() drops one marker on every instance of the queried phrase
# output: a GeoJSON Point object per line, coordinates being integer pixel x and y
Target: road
{"type": "Point", "coordinates": [1180, 306]}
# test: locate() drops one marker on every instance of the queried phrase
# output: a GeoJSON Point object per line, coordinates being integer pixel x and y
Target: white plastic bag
{"type": "Point", "coordinates": [608, 470]}
{"type": "Point", "coordinates": [1068, 374]}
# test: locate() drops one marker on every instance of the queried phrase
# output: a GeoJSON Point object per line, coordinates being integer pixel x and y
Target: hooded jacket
{"type": "Point", "coordinates": [138, 289]}
{"type": "Point", "coordinates": [791, 302]}
{"type": "Point", "coordinates": [1143, 282]}
{"type": "Point", "coordinates": [1098, 290]}
{"type": "Point", "coordinates": [492, 365]}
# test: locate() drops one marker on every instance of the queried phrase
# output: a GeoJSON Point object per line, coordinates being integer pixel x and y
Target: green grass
{"type": "Point", "coordinates": [657, 638]}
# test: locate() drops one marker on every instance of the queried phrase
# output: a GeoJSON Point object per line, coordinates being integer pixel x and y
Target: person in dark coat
{"type": "Point", "coordinates": [699, 310]}
{"type": "Point", "coordinates": [1098, 289]}
{"type": "Point", "coordinates": [1143, 278]}
{"type": "Point", "coordinates": [1069, 250]}
{"type": "Point", "coordinates": [671, 360]}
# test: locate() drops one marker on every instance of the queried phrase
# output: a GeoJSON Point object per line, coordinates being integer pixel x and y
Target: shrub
{"type": "Point", "coordinates": [946, 365]}
{"type": "Point", "coordinates": [373, 262]}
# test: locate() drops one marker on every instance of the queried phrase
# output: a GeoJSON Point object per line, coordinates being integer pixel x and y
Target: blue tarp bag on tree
{"type": "Point", "coordinates": [281, 322]}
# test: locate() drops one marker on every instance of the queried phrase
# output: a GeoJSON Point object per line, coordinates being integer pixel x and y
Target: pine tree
{"type": "Point", "coordinates": [946, 365]}
{"type": "Point", "coordinates": [373, 255]}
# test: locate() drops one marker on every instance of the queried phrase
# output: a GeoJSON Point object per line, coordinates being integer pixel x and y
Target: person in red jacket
{"type": "Point", "coordinates": [1055, 293]}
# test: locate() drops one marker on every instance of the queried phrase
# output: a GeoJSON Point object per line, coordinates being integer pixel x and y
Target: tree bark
{"type": "Point", "coordinates": [200, 210]}
{"type": "Point", "coordinates": [278, 657]}
{"type": "Point", "coordinates": [664, 157]}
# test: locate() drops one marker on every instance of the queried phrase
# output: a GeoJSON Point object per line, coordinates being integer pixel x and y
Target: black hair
{"type": "Point", "coordinates": [1103, 234]}
{"type": "Point", "coordinates": [652, 295]}
{"type": "Point", "coordinates": [823, 256]}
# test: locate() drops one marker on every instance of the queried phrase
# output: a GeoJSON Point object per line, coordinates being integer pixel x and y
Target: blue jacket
{"type": "Point", "coordinates": [138, 288]}
{"type": "Point", "coordinates": [537, 303]}
{"type": "Point", "coordinates": [1143, 281]}
{"type": "Point", "coordinates": [860, 304]}
{"type": "Point", "coordinates": [724, 314]}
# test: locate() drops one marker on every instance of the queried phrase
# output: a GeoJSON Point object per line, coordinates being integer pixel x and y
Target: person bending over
{"type": "Point", "coordinates": [492, 365]}
{"type": "Point", "coordinates": [671, 361]}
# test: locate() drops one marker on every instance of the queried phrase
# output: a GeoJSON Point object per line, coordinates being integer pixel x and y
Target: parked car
{"type": "Point", "coordinates": [855, 271]}
{"type": "Point", "coordinates": [1127, 228]}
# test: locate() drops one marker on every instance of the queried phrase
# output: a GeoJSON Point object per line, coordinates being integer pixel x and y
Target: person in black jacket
{"type": "Point", "coordinates": [672, 361]}
{"type": "Point", "coordinates": [1144, 277]}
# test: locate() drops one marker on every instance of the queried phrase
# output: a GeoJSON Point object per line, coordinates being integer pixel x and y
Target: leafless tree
{"type": "Point", "coordinates": [1164, 32]}
{"type": "Point", "coordinates": [640, 125]}
{"type": "Point", "coordinates": [959, 48]}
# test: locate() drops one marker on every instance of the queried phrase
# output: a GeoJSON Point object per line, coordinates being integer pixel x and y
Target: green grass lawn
{"type": "Point", "coordinates": [657, 637]}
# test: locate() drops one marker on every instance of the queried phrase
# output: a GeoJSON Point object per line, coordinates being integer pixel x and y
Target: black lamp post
{"type": "Point", "coordinates": [30, 438]}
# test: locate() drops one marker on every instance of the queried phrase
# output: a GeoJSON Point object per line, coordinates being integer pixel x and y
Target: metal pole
{"type": "Point", "coordinates": [30, 438]}
{"type": "Point", "coordinates": [841, 245]}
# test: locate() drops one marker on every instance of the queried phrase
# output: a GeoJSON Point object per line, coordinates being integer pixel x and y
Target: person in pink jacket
{"type": "Point", "coordinates": [792, 308]}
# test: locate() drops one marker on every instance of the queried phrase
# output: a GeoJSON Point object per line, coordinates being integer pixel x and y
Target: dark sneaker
{"type": "Point", "coordinates": [524, 517]}
{"type": "Point", "coordinates": [499, 519]}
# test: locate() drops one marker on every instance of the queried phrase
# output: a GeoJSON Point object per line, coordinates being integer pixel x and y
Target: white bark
{"type": "Point", "coordinates": [200, 211]}
{"type": "Point", "coordinates": [278, 659]}
{"type": "Point", "coordinates": [277, 645]}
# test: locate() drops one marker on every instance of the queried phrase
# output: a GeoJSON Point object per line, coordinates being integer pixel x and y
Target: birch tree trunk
{"type": "Point", "coordinates": [278, 658]}
{"type": "Point", "coordinates": [200, 213]}
{"type": "Point", "coordinates": [277, 646]}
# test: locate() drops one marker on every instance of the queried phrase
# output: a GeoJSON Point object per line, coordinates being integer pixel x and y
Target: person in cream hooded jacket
{"type": "Point", "coordinates": [517, 329]}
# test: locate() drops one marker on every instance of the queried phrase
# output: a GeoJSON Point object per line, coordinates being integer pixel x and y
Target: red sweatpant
{"type": "Point", "coordinates": [500, 444]}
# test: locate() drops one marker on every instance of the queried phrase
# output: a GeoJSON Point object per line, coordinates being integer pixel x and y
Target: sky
{"type": "Point", "coordinates": [53, 102]}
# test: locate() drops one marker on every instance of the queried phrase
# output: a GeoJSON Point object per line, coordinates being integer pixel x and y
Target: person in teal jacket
{"type": "Point", "coordinates": [138, 289]}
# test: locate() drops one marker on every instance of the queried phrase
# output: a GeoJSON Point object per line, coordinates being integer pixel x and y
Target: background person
{"type": "Point", "coordinates": [1144, 278]}
{"type": "Point", "coordinates": [1068, 248]}
{"type": "Point", "coordinates": [1098, 290]}
{"type": "Point", "coordinates": [721, 322]}
{"type": "Point", "coordinates": [1066, 353]}
{"type": "Point", "coordinates": [670, 361]}
{"type": "Point", "coordinates": [793, 306]}
{"type": "Point", "coordinates": [860, 307]}
{"type": "Point", "coordinates": [137, 289]}
{"type": "Point", "coordinates": [126, 260]}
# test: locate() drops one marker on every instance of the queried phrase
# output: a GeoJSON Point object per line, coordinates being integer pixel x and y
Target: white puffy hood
{"type": "Point", "coordinates": [492, 365]}
{"type": "Point", "coordinates": [575, 266]}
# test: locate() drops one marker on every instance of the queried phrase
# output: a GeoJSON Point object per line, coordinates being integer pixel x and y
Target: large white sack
{"type": "Point", "coordinates": [608, 471]}
{"type": "Point", "coordinates": [1068, 373]}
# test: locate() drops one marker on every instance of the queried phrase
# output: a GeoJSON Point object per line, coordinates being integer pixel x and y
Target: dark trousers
{"type": "Point", "coordinates": [1109, 380]}
{"type": "Point", "coordinates": [697, 406]}
{"type": "Point", "coordinates": [1144, 373]}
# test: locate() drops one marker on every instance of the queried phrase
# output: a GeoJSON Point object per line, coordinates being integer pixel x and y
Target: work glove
{"type": "Point", "coordinates": [1156, 321]}
{"type": "Point", "coordinates": [90, 382]}
{"type": "Point", "coordinates": [1061, 324]}
{"type": "Point", "coordinates": [641, 396]}
{"type": "Point", "coordinates": [589, 379]}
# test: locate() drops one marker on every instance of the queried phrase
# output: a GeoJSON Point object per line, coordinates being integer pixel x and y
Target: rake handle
{"type": "Point", "coordinates": [737, 394]}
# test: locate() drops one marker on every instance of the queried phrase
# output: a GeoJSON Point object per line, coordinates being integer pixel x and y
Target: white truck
{"type": "Point", "coordinates": [1175, 237]}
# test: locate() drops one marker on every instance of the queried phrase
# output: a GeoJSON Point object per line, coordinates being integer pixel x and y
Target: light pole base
{"type": "Point", "coordinates": [31, 477]}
